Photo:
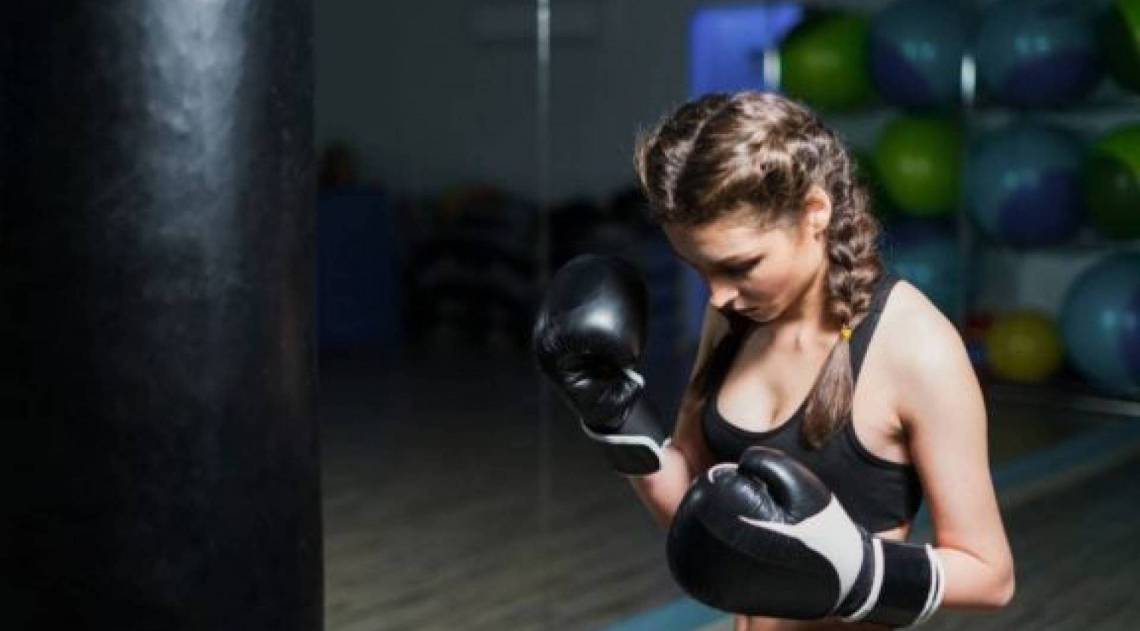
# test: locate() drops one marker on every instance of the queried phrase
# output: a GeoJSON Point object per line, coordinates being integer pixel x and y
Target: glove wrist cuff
{"type": "Point", "coordinates": [904, 586]}
{"type": "Point", "coordinates": [637, 446]}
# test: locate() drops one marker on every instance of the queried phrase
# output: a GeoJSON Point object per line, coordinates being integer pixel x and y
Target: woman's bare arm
{"type": "Point", "coordinates": [944, 415]}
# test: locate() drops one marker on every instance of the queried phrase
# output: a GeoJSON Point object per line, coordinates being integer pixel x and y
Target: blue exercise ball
{"type": "Point", "coordinates": [1023, 185]}
{"type": "Point", "coordinates": [1038, 52]}
{"type": "Point", "coordinates": [1100, 323]}
{"type": "Point", "coordinates": [924, 251]}
{"type": "Point", "coordinates": [916, 51]}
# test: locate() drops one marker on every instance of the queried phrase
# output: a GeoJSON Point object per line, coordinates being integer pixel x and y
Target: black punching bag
{"type": "Point", "coordinates": [157, 375]}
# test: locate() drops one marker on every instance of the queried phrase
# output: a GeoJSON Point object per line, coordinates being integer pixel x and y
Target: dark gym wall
{"type": "Point", "coordinates": [158, 366]}
{"type": "Point", "coordinates": [450, 89]}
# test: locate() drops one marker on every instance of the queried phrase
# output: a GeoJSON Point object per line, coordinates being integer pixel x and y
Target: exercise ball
{"type": "Point", "coordinates": [919, 159]}
{"type": "Point", "coordinates": [925, 252]}
{"type": "Point", "coordinates": [1120, 42]}
{"type": "Point", "coordinates": [1024, 346]}
{"type": "Point", "coordinates": [1100, 323]}
{"type": "Point", "coordinates": [1112, 183]}
{"type": "Point", "coordinates": [1023, 185]}
{"type": "Point", "coordinates": [1038, 52]}
{"type": "Point", "coordinates": [916, 50]}
{"type": "Point", "coordinates": [823, 61]}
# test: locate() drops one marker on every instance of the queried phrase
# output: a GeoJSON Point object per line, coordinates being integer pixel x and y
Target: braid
{"type": "Point", "coordinates": [853, 258]}
{"type": "Point", "coordinates": [660, 165]}
{"type": "Point", "coordinates": [853, 268]}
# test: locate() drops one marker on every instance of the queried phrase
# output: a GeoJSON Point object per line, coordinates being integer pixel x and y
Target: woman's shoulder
{"type": "Point", "coordinates": [907, 301]}
{"type": "Point", "coordinates": [921, 342]}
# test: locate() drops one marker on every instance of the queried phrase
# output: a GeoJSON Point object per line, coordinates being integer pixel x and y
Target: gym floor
{"type": "Point", "coordinates": [442, 511]}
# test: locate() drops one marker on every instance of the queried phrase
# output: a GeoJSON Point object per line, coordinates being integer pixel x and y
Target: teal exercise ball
{"type": "Point", "coordinates": [1023, 185]}
{"type": "Point", "coordinates": [1037, 53]}
{"type": "Point", "coordinates": [1100, 323]}
{"type": "Point", "coordinates": [925, 251]}
{"type": "Point", "coordinates": [916, 51]}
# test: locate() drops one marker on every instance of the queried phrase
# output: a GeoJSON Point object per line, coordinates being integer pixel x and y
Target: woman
{"type": "Point", "coordinates": [808, 346]}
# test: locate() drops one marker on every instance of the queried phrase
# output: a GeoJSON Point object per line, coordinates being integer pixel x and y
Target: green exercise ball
{"type": "Point", "coordinates": [919, 160]}
{"type": "Point", "coordinates": [1120, 42]}
{"type": "Point", "coordinates": [1112, 183]}
{"type": "Point", "coordinates": [823, 62]}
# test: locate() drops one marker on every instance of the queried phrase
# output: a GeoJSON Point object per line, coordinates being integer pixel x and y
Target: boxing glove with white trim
{"type": "Point", "coordinates": [766, 537]}
{"type": "Point", "coordinates": [589, 336]}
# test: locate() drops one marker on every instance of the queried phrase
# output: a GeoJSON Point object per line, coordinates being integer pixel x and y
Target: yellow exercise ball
{"type": "Point", "coordinates": [1024, 346]}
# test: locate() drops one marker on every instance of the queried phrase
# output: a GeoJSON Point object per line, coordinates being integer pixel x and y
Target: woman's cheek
{"type": "Point", "coordinates": [756, 292]}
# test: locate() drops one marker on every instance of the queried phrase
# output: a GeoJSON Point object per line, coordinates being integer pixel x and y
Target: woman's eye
{"type": "Point", "coordinates": [741, 270]}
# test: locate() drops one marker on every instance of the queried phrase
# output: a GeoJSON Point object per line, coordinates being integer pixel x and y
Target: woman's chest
{"type": "Point", "coordinates": [764, 388]}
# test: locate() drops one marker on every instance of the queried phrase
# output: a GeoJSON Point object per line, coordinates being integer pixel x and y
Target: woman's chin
{"type": "Point", "coordinates": [756, 315]}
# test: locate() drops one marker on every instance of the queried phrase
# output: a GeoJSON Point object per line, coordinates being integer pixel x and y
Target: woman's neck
{"type": "Point", "coordinates": [807, 323]}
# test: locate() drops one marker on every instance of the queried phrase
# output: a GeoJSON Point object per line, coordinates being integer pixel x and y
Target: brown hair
{"type": "Point", "coordinates": [723, 152]}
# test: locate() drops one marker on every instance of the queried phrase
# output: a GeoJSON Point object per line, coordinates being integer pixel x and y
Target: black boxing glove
{"type": "Point", "coordinates": [588, 337]}
{"type": "Point", "coordinates": [766, 537]}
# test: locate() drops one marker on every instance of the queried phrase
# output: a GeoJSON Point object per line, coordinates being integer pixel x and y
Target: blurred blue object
{"type": "Point", "coordinates": [1100, 323]}
{"type": "Point", "coordinates": [916, 52]}
{"type": "Point", "coordinates": [1023, 185]}
{"type": "Point", "coordinates": [925, 252]}
{"type": "Point", "coordinates": [358, 293]}
{"type": "Point", "coordinates": [1038, 52]}
{"type": "Point", "coordinates": [727, 44]}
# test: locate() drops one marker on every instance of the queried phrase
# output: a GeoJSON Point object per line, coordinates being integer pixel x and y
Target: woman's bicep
{"type": "Point", "coordinates": [687, 435]}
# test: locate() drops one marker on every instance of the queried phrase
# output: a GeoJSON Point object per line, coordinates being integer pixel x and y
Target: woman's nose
{"type": "Point", "coordinates": [721, 294]}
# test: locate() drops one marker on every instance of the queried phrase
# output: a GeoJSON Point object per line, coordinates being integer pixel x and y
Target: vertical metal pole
{"type": "Point", "coordinates": [542, 160]}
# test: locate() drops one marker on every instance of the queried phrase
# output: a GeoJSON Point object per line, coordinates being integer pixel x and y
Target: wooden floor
{"type": "Point", "coordinates": [437, 517]}
{"type": "Point", "coordinates": [452, 502]}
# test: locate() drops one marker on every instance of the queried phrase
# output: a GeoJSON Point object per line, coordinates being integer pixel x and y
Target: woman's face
{"type": "Point", "coordinates": [754, 269]}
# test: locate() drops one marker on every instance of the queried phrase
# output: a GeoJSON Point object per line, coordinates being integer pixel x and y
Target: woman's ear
{"type": "Point", "coordinates": [817, 212]}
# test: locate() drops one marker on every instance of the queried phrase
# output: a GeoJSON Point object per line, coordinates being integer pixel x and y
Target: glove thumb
{"type": "Point", "coordinates": [790, 484]}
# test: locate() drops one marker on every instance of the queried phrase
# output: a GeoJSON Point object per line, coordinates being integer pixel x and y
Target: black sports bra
{"type": "Point", "coordinates": [878, 494]}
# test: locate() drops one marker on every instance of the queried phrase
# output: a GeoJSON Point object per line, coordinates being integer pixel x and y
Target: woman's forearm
{"type": "Point", "coordinates": [662, 492]}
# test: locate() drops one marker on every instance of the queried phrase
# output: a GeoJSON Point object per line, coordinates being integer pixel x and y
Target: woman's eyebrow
{"type": "Point", "coordinates": [734, 259]}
